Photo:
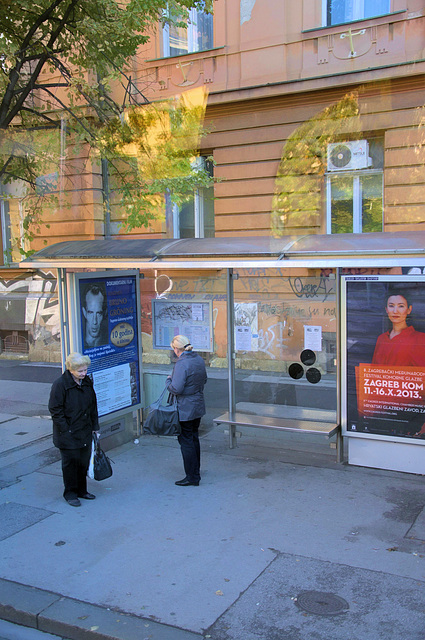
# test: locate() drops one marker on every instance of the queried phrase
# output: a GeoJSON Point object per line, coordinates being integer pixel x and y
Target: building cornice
{"type": "Point", "coordinates": [408, 71]}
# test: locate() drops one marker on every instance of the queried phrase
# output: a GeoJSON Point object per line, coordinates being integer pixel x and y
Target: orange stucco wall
{"type": "Point", "coordinates": [274, 67]}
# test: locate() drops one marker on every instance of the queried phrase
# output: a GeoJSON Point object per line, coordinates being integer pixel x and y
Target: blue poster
{"type": "Point", "coordinates": [110, 337]}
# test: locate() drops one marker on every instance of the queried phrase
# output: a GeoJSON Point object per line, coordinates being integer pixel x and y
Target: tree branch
{"type": "Point", "coordinates": [68, 110]}
{"type": "Point", "coordinates": [15, 72]}
{"type": "Point", "coordinates": [6, 120]}
{"type": "Point", "coordinates": [39, 114]}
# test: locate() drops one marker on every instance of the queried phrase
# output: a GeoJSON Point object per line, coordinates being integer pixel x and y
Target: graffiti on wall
{"type": "Point", "coordinates": [272, 307]}
{"type": "Point", "coordinates": [30, 303]}
{"type": "Point", "coordinates": [42, 310]}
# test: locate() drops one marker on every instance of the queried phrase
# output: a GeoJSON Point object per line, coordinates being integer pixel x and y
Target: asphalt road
{"type": "Point", "coordinates": [29, 371]}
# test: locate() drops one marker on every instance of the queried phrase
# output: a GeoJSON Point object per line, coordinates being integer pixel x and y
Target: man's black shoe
{"type": "Point", "coordinates": [187, 483]}
{"type": "Point", "coordinates": [88, 496]}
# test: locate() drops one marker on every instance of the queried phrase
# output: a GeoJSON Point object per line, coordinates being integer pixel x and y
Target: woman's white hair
{"type": "Point", "coordinates": [76, 360]}
{"type": "Point", "coordinates": [182, 343]}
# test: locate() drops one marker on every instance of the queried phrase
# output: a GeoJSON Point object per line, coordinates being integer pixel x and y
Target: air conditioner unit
{"type": "Point", "coordinates": [346, 156]}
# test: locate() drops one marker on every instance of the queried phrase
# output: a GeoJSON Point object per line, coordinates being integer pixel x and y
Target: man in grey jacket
{"type": "Point", "coordinates": [187, 384]}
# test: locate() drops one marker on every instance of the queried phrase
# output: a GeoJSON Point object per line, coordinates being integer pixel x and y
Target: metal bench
{"type": "Point", "coordinates": [280, 424]}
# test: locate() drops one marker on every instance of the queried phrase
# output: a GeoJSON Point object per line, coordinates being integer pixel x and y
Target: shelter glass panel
{"type": "Point", "coordinates": [187, 293]}
{"type": "Point", "coordinates": [285, 344]}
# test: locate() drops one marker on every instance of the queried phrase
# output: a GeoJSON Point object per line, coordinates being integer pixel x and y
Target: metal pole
{"type": "Point", "coordinates": [63, 315]}
{"type": "Point", "coordinates": [231, 355]}
{"type": "Point", "coordinates": [339, 441]}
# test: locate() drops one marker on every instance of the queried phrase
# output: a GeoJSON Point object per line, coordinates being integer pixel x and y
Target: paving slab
{"type": "Point", "coordinates": [16, 517]}
{"type": "Point", "coordinates": [379, 606]}
{"type": "Point", "coordinates": [417, 531]}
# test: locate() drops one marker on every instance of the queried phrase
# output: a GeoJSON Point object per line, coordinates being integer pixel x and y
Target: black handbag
{"type": "Point", "coordinates": [102, 467]}
{"type": "Point", "coordinates": [162, 420]}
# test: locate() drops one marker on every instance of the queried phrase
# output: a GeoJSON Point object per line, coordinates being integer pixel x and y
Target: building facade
{"type": "Point", "coordinates": [313, 125]}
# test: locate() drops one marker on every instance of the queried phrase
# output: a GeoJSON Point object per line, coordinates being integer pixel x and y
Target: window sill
{"type": "Point", "coordinates": [184, 55]}
{"type": "Point", "coordinates": [355, 172]}
{"type": "Point", "coordinates": [383, 19]}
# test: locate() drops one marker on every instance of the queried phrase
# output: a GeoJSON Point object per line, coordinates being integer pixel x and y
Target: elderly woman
{"type": "Point", "coordinates": [187, 384]}
{"type": "Point", "coordinates": [73, 407]}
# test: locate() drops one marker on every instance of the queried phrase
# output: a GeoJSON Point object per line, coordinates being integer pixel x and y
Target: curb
{"type": "Point", "coordinates": [75, 620]}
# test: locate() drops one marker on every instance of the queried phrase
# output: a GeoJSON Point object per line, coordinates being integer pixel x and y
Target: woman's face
{"type": "Point", "coordinates": [397, 309]}
{"type": "Point", "coordinates": [80, 372]}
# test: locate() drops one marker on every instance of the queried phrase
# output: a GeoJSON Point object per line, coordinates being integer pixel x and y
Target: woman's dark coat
{"type": "Point", "coordinates": [73, 408]}
{"type": "Point", "coordinates": [187, 384]}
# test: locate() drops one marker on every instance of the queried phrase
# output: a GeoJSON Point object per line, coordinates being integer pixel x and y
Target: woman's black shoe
{"type": "Point", "coordinates": [74, 502]}
{"type": "Point", "coordinates": [187, 483]}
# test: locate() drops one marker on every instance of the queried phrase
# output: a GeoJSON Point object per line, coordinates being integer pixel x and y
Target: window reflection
{"type": "Point", "coordinates": [195, 218]}
{"type": "Point", "coordinates": [198, 36]}
{"type": "Point", "coordinates": [340, 11]}
{"type": "Point", "coordinates": [355, 203]}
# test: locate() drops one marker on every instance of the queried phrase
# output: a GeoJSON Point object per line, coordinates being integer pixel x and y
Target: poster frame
{"type": "Point", "coordinates": [345, 337]}
{"type": "Point", "coordinates": [161, 302]}
{"type": "Point", "coordinates": [75, 282]}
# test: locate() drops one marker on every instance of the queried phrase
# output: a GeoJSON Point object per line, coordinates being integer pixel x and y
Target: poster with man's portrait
{"type": "Point", "coordinates": [385, 355]}
{"type": "Point", "coordinates": [109, 335]}
{"type": "Point", "coordinates": [94, 314]}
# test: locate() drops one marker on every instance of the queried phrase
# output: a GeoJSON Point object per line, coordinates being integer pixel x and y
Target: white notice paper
{"type": "Point", "coordinates": [312, 338]}
{"type": "Point", "coordinates": [197, 312]}
{"type": "Point", "coordinates": [243, 338]}
{"type": "Point", "coordinates": [113, 388]}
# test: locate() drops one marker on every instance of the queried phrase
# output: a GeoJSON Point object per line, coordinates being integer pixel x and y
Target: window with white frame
{"type": "Point", "coordinates": [340, 11]}
{"type": "Point", "coordinates": [198, 36]}
{"type": "Point", "coordinates": [354, 187]}
{"type": "Point", "coordinates": [195, 218]}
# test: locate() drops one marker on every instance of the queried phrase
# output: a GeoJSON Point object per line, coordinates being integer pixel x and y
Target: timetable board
{"type": "Point", "coordinates": [177, 317]}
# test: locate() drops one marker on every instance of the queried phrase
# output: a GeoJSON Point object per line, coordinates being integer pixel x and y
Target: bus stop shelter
{"type": "Point", "coordinates": [287, 327]}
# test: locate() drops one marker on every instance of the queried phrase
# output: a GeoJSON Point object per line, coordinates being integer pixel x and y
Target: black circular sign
{"type": "Point", "coordinates": [313, 375]}
{"type": "Point", "coordinates": [308, 357]}
{"type": "Point", "coordinates": [296, 371]}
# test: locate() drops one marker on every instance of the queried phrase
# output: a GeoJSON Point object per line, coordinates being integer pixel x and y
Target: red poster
{"type": "Point", "coordinates": [385, 373]}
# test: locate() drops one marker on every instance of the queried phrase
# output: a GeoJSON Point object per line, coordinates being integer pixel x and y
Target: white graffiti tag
{"type": "Point", "coordinates": [272, 339]}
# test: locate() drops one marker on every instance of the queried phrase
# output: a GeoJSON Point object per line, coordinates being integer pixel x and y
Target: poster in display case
{"type": "Point", "coordinates": [384, 356]}
{"type": "Point", "coordinates": [109, 330]}
{"type": "Point", "coordinates": [178, 317]}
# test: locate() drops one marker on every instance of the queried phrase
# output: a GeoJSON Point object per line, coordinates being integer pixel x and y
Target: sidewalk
{"type": "Point", "coordinates": [275, 525]}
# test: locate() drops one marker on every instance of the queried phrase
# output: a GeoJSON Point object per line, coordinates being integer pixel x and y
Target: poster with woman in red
{"type": "Point", "coordinates": [386, 367]}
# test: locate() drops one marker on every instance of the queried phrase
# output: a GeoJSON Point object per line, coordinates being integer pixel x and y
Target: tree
{"type": "Point", "coordinates": [59, 60]}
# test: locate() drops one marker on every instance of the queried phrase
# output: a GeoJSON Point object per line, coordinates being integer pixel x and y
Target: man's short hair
{"type": "Point", "coordinates": [95, 290]}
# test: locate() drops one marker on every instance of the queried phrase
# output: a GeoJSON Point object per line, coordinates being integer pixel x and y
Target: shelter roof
{"type": "Point", "coordinates": [338, 250]}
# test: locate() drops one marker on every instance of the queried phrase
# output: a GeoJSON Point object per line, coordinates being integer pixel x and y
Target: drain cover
{"type": "Point", "coordinates": [320, 603]}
